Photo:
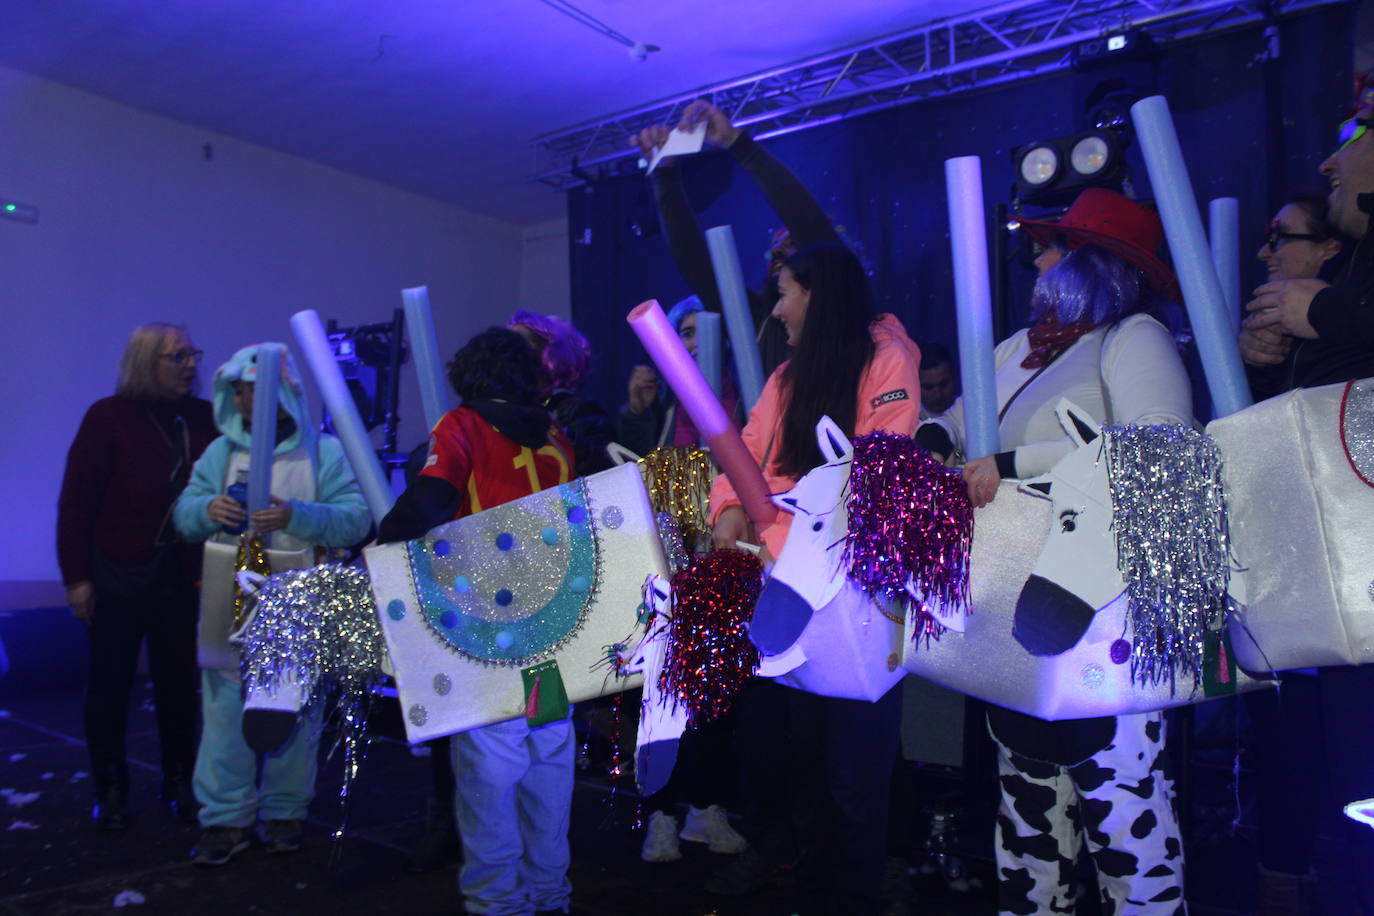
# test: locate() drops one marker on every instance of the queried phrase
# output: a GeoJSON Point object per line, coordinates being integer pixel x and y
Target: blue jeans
{"type": "Point", "coordinates": [513, 804]}
{"type": "Point", "coordinates": [226, 777]}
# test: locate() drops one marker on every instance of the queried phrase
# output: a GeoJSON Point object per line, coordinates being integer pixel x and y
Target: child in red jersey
{"type": "Point", "coordinates": [514, 782]}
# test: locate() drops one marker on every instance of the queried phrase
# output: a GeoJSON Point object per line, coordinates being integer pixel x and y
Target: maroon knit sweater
{"type": "Point", "coordinates": [120, 483]}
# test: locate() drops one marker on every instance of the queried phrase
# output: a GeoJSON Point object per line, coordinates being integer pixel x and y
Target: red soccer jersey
{"type": "Point", "coordinates": [489, 469]}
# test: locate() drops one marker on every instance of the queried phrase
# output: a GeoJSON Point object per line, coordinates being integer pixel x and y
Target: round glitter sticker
{"type": "Point", "coordinates": [1093, 676]}
{"type": "Point", "coordinates": [580, 584]}
{"type": "Point", "coordinates": [441, 548]}
{"type": "Point", "coordinates": [1371, 590]}
{"type": "Point", "coordinates": [418, 715]}
{"type": "Point", "coordinates": [396, 609]}
{"type": "Point", "coordinates": [1120, 651]}
{"type": "Point", "coordinates": [461, 585]}
{"type": "Point", "coordinates": [442, 684]}
{"type": "Point", "coordinates": [505, 541]}
{"type": "Point", "coordinates": [448, 619]}
{"type": "Point", "coordinates": [504, 639]}
{"type": "Point", "coordinates": [612, 517]}
{"type": "Point", "coordinates": [504, 597]}
{"type": "Point", "coordinates": [549, 536]}
{"type": "Point", "coordinates": [577, 515]}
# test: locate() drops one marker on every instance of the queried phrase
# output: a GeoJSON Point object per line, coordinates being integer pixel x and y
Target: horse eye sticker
{"type": "Point", "coordinates": [1067, 520]}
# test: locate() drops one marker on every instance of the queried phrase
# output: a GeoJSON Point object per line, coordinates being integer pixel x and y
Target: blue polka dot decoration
{"type": "Point", "coordinates": [442, 548]}
{"type": "Point", "coordinates": [504, 597]}
{"type": "Point", "coordinates": [580, 584]}
{"type": "Point", "coordinates": [505, 541]}
{"type": "Point", "coordinates": [449, 619]}
{"type": "Point", "coordinates": [396, 609]}
{"type": "Point", "coordinates": [504, 639]}
{"type": "Point", "coordinates": [549, 536]}
{"type": "Point", "coordinates": [461, 585]}
{"type": "Point", "coordinates": [577, 515]}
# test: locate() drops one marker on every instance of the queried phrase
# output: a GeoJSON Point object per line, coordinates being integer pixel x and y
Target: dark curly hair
{"type": "Point", "coordinates": [497, 365]}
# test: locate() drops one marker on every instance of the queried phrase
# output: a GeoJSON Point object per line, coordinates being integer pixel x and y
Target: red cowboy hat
{"type": "Point", "coordinates": [1112, 221]}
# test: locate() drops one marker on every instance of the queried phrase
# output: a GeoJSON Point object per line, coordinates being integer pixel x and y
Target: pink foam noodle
{"type": "Point", "coordinates": [694, 394]}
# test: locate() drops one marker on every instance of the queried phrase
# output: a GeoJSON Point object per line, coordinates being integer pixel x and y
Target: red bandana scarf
{"type": "Point", "coordinates": [1049, 338]}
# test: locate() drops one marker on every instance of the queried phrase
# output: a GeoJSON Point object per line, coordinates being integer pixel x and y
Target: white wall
{"type": "Point", "coordinates": [544, 275]}
{"type": "Point", "coordinates": [137, 225]}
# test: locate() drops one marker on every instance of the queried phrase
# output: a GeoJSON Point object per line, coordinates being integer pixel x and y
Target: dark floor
{"type": "Point", "coordinates": [52, 862]}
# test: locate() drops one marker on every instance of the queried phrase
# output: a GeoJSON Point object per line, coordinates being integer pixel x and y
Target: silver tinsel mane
{"type": "Point", "coordinates": [1173, 545]}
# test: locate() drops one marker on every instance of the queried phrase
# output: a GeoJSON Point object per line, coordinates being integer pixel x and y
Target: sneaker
{"type": "Point", "coordinates": [280, 837]}
{"type": "Point", "coordinates": [180, 799]}
{"type": "Point", "coordinates": [217, 845]}
{"type": "Point", "coordinates": [111, 812]}
{"type": "Point", "coordinates": [712, 827]}
{"type": "Point", "coordinates": [660, 840]}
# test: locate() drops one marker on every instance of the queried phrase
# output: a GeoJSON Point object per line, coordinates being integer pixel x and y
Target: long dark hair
{"type": "Point", "coordinates": [822, 378]}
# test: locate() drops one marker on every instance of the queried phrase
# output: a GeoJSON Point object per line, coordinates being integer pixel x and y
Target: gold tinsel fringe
{"type": "Point", "coordinates": [252, 556]}
{"type": "Point", "coordinates": [679, 483]}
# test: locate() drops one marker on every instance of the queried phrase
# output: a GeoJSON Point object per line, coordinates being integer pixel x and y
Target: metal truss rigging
{"type": "Point", "coordinates": [997, 44]}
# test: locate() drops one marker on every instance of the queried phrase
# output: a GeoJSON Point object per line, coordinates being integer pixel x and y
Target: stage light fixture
{"type": "Point", "coordinates": [1052, 172]}
{"type": "Point", "coordinates": [1039, 165]}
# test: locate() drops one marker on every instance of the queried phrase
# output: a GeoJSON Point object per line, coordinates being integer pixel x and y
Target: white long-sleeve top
{"type": "Point", "coordinates": [1134, 363]}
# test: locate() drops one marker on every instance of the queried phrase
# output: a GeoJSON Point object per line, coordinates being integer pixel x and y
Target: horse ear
{"type": "Point", "coordinates": [835, 445]}
{"type": "Point", "coordinates": [787, 503]}
{"type": "Point", "coordinates": [1080, 426]}
{"type": "Point", "coordinates": [1039, 487]}
{"type": "Point", "coordinates": [619, 454]}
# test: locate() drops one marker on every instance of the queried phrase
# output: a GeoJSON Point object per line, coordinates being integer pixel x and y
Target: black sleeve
{"type": "Point", "coordinates": [590, 430]}
{"type": "Point", "coordinates": [426, 503]}
{"type": "Point", "coordinates": [685, 238]}
{"type": "Point", "coordinates": [1344, 315]}
{"type": "Point", "coordinates": [935, 439]}
{"type": "Point", "coordinates": [637, 432]}
{"type": "Point", "coordinates": [1006, 465]}
{"type": "Point", "coordinates": [803, 216]}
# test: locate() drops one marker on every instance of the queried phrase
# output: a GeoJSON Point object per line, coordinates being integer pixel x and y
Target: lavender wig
{"type": "Point", "coordinates": [1091, 284]}
{"type": "Point", "coordinates": [563, 350]}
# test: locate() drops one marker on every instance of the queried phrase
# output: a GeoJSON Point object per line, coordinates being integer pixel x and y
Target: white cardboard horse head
{"type": "Point", "coordinates": [1076, 574]}
{"type": "Point", "coordinates": [815, 629]}
{"type": "Point", "coordinates": [661, 720]}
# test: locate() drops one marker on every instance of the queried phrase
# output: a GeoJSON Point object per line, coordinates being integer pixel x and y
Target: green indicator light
{"type": "Point", "coordinates": [10, 208]}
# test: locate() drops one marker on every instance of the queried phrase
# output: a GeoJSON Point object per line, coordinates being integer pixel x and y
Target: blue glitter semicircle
{"type": "Point", "coordinates": [540, 632]}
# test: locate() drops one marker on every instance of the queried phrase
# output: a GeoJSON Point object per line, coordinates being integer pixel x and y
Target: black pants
{"type": "Point", "coordinates": [164, 613]}
{"type": "Point", "coordinates": [822, 767]}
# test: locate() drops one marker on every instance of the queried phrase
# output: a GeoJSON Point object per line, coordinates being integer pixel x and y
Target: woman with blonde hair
{"type": "Point", "coordinates": [127, 576]}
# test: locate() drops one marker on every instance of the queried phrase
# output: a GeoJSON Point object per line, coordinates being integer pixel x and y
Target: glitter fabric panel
{"type": "Point", "coordinates": [1357, 427]}
{"type": "Point", "coordinates": [1170, 521]}
{"type": "Point", "coordinates": [509, 585]}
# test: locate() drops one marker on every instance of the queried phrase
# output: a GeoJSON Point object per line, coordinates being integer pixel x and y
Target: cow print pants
{"type": "Point", "coordinates": [1118, 801]}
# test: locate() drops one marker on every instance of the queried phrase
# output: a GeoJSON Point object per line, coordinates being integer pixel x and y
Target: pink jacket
{"type": "Point", "coordinates": [889, 399]}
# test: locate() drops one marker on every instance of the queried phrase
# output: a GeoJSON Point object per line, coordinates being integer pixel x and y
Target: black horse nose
{"type": "Point", "coordinates": [1049, 619]}
{"type": "Point", "coordinates": [780, 616]}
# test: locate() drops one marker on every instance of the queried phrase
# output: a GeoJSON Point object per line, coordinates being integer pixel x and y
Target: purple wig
{"type": "Point", "coordinates": [1091, 284]}
{"type": "Point", "coordinates": [563, 350]}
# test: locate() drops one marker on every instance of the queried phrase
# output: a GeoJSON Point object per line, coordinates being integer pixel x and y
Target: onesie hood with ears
{"type": "Point", "coordinates": [243, 366]}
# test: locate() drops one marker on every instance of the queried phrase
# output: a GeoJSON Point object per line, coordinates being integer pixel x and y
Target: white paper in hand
{"type": "Point", "coordinates": [680, 143]}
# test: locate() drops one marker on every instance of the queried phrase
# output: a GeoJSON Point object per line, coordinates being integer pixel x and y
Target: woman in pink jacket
{"type": "Point", "coordinates": [862, 372]}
